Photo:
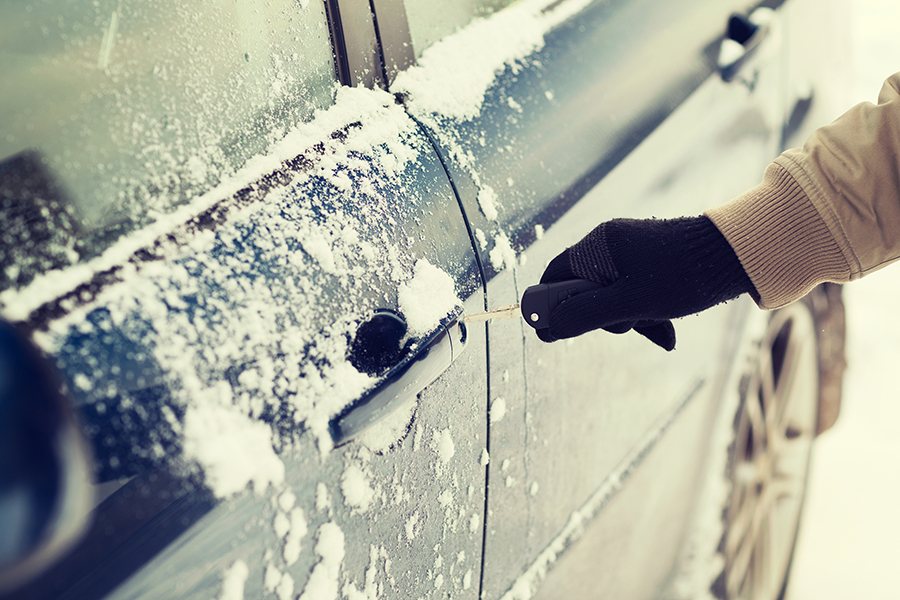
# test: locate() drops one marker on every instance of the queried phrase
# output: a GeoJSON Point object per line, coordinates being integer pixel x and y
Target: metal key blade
{"type": "Point", "coordinates": [539, 301]}
{"type": "Point", "coordinates": [510, 311]}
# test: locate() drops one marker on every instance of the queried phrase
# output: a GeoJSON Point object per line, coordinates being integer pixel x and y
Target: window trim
{"type": "Point", "coordinates": [354, 39]}
{"type": "Point", "coordinates": [394, 39]}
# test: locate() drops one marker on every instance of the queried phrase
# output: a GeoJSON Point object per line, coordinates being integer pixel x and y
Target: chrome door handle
{"type": "Point", "coordinates": [742, 38]}
{"type": "Point", "coordinates": [402, 383]}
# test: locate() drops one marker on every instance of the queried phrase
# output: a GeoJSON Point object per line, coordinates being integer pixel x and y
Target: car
{"type": "Point", "coordinates": [240, 241]}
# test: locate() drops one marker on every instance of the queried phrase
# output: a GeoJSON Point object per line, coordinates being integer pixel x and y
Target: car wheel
{"type": "Point", "coordinates": [774, 427]}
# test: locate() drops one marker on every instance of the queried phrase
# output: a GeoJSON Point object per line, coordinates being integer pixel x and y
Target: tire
{"type": "Point", "coordinates": [775, 425]}
{"type": "Point", "coordinates": [828, 309]}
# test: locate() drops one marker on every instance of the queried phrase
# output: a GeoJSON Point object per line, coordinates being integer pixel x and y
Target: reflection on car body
{"type": "Point", "coordinates": [243, 235]}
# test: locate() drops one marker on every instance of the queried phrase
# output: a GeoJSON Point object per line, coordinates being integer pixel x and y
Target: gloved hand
{"type": "Point", "coordinates": [652, 271]}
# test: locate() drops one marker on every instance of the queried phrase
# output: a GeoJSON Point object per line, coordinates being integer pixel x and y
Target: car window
{"type": "Point", "coordinates": [430, 20]}
{"type": "Point", "coordinates": [114, 112]}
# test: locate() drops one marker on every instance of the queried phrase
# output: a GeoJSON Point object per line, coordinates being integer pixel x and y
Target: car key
{"type": "Point", "coordinates": [538, 302]}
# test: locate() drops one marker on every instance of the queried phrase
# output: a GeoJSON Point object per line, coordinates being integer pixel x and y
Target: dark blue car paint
{"type": "Point", "coordinates": [420, 216]}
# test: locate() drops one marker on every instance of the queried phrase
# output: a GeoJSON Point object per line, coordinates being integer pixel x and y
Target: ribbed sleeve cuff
{"type": "Point", "coordinates": [781, 239]}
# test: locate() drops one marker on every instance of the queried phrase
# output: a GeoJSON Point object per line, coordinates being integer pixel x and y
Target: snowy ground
{"type": "Point", "coordinates": [849, 543]}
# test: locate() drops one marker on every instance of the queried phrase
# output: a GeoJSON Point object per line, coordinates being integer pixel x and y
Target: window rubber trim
{"type": "Point", "coordinates": [338, 43]}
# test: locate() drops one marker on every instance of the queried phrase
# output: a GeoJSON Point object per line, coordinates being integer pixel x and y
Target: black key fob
{"type": "Point", "coordinates": [539, 301]}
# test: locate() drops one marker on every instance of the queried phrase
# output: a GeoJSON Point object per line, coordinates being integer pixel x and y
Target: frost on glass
{"type": "Point", "coordinates": [116, 111]}
{"type": "Point", "coordinates": [430, 20]}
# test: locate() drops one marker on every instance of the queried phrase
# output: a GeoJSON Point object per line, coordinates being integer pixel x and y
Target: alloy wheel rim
{"type": "Point", "coordinates": [775, 430]}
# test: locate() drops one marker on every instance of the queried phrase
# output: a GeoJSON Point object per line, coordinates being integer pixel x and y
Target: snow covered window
{"type": "Point", "coordinates": [124, 109]}
{"type": "Point", "coordinates": [430, 20]}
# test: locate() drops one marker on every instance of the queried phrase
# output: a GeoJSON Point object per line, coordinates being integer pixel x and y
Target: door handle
{"type": "Point", "coordinates": [742, 38]}
{"type": "Point", "coordinates": [424, 363]}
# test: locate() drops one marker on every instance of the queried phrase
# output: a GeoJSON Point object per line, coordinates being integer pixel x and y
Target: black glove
{"type": "Point", "coordinates": [652, 271]}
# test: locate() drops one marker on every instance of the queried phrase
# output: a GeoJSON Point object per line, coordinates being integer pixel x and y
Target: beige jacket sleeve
{"type": "Point", "coordinates": [829, 211]}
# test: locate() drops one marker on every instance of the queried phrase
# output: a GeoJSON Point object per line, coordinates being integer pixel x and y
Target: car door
{"type": "Point", "coordinates": [558, 116]}
{"type": "Point", "coordinates": [248, 277]}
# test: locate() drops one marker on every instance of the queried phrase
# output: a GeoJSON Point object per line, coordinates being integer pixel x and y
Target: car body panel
{"type": "Point", "coordinates": [245, 324]}
{"type": "Point", "coordinates": [574, 410]}
{"type": "Point", "coordinates": [635, 384]}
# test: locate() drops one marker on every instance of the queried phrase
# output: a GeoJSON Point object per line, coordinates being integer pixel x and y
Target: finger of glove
{"type": "Point", "coordinates": [661, 333]}
{"type": "Point", "coordinates": [603, 308]}
{"type": "Point", "coordinates": [617, 328]}
{"type": "Point", "coordinates": [621, 327]}
{"type": "Point", "coordinates": [559, 269]}
{"type": "Point", "coordinates": [581, 314]}
{"type": "Point", "coordinates": [544, 335]}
